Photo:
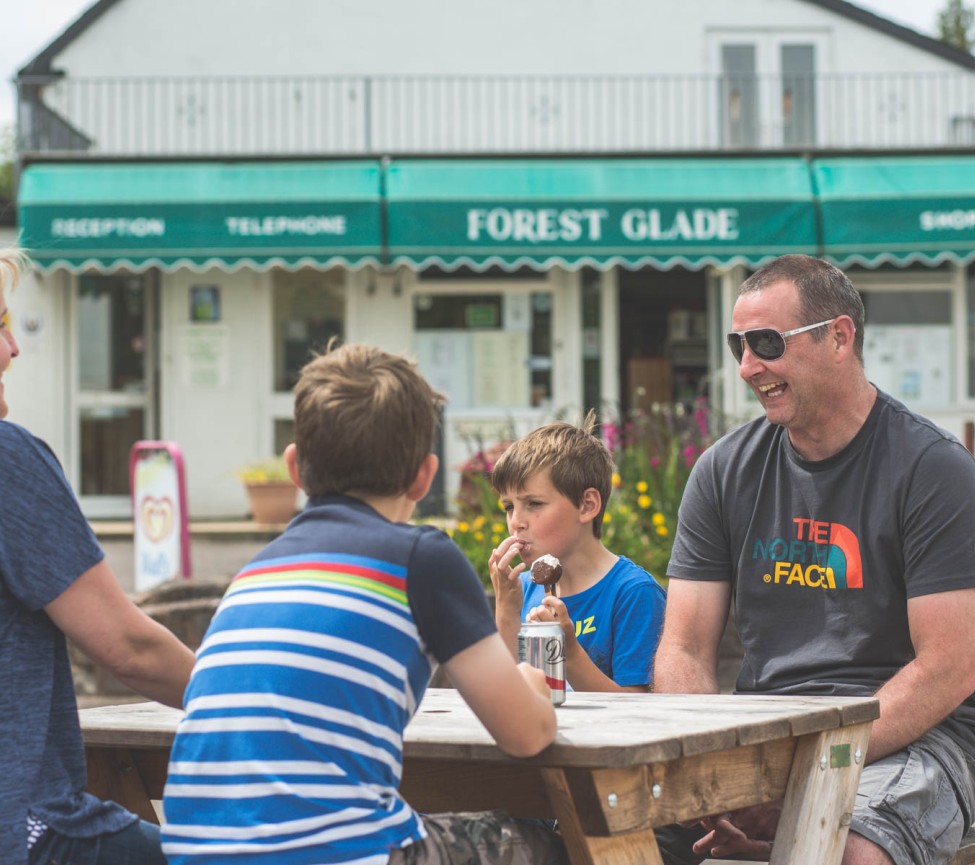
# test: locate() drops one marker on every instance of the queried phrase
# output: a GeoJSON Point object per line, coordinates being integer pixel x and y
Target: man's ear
{"type": "Point", "coordinates": [291, 460]}
{"type": "Point", "coordinates": [424, 478]}
{"type": "Point", "coordinates": [590, 506]}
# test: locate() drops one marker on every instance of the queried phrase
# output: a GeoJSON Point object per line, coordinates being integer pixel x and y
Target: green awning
{"type": "Point", "coordinates": [577, 212]}
{"type": "Point", "coordinates": [201, 215]}
{"type": "Point", "coordinates": [897, 209]}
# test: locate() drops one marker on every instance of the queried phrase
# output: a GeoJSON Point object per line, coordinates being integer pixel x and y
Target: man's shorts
{"type": "Point", "coordinates": [483, 838]}
{"type": "Point", "coordinates": [917, 804]}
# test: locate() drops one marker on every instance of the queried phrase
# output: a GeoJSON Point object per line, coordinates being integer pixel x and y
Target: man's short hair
{"type": "Point", "coordinates": [824, 292]}
{"type": "Point", "coordinates": [574, 457]}
{"type": "Point", "coordinates": [364, 422]}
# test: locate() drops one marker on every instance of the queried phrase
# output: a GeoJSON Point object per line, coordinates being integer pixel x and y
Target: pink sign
{"type": "Point", "coordinates": [159, 516]}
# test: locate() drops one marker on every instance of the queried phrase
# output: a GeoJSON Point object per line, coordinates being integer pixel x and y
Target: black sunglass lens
{"type": "Point", "coordinates": [766, 343]}
{"type": "Point", "coordinates": [737, 346]}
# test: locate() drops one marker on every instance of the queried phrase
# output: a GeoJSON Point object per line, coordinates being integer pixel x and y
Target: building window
{"type": "Point", "coordinates": [490, 350]}
{"type": "Point", "coordinates": [798, 95]}
{"type": "Point", "coordinates": [908, 346]}
{"type": "Point", "coordinates": [309, 309]}
{"type": "Point", "coordinates": [739, 96]}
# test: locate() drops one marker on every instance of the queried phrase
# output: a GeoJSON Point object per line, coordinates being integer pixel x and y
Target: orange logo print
{"type": "Point", "coordinates": [156, 517]}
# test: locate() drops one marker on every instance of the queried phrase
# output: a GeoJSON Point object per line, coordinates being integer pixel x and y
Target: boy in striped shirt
{"type": "Point", "coordinates": [291, 748]}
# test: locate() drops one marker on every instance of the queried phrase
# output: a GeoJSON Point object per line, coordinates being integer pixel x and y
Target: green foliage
{"type": "Point", "coordinates": [7, 162]}
{"type": "Point", "coordinates": [955, 23]}
{"type": "Point", "coordinates": [654, 453]}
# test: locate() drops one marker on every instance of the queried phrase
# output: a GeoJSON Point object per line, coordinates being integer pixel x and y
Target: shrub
{"type": "Point", "coordinates": [654, 453]}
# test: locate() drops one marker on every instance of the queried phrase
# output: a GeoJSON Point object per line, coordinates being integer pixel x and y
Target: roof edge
{"type": "Point", "coordinates": [898, 31]}
{"type": "Point", "coordinates": [41, 63]}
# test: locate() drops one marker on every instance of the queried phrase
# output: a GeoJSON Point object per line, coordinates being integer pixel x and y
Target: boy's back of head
{"type": "Point", "coordinates": [574, 457]}
{"type": "Point", "coordinates": [364, 421]}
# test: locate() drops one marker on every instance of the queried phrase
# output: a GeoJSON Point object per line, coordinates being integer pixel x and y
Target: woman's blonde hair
{"type": "Point", "coordinates": [13, 263]}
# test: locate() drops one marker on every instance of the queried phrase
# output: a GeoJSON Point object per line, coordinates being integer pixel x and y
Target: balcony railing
{"type": "Point", "coordinates": [322, 116]}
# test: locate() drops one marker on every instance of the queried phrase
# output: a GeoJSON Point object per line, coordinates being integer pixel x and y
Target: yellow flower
{"type": "Point", "coordinates": [623, 509]}
{"type": "Point", "coordinates": [479, 536]}
{"type": "Point", "coordinates": [641, 486]}
{"type": "Point", "coordinates": [644, 502]}
{"type": "Point", "coordinates": [659, 519]}
{"type": "Point", "coordinates": [463, 527]}
{"type": "Point", "coordinates": [617, 480]}
{"type": "Point", "coordinates": [607, 517]}
{"type": "Point", "coordinates": [479, 521]}
{"type": "Point", "coordinates": [662, 531]}
{"type": "Point", "coordinates": [495, 539]}
{"type": "Point", "coordinates": [497, 528]}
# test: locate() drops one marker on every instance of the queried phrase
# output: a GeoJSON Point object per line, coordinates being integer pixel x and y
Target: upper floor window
{"type": "Point", "coordinates": [767, 90]}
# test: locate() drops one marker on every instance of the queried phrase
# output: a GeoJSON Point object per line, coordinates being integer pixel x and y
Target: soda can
{"type": "Point", "coordinates": [542, 644]}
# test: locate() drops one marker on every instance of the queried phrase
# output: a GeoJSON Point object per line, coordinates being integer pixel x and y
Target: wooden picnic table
{"type": "Point", "coordinates": [621, 765]}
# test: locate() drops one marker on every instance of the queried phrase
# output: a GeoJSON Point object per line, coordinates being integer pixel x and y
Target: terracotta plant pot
{"type": "Point", "coordinates": [274, 502]}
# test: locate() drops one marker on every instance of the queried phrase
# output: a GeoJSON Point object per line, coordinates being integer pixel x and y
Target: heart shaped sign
{"type": "Point", "coordinates": [157, 517]}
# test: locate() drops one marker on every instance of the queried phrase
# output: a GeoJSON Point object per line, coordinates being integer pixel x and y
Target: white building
{"type": "Point", "coordinates": [549, 204]}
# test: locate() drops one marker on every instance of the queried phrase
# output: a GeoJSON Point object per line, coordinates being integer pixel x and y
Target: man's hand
{"type": "Point", "coordinates": [747, 831]}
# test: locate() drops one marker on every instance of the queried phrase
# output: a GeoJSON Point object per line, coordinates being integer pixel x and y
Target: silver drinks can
{"type": "Point", "coordinates": [542, 644]}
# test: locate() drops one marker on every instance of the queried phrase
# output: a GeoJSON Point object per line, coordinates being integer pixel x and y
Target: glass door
{"type": "Point", "coordinates": [768, 88]}
{"type": "Point", "coordinates": [115, 372]}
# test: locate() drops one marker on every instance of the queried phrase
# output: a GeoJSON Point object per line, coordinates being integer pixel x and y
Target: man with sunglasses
{"type": "Point", "coordinates": [842, 525]}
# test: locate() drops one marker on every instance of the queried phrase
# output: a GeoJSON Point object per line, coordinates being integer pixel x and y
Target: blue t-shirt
{"type": "Point", "coordinates": [45, 545]}
{"type": "Point", "coordinates": [290, 752]}
{"type": "Point", "coordinates": [618, 620]}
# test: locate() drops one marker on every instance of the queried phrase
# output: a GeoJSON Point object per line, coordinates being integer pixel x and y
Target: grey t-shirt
{"type": "Point", "coordinates": [823, 556]}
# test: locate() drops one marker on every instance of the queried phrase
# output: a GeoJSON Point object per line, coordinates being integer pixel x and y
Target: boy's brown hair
{"type": "Point", "coordinates": [364, 422]}
{"type": "Point", "coordinates": [574, 457]}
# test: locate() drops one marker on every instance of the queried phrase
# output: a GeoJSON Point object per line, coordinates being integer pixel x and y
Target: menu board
{"type": "Point", "coordinates": [476, 369]}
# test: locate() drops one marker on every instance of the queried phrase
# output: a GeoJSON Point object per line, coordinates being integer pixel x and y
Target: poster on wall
{"type": "Point", "coordinates": [500, 365]}
{"type": "Point", "coordinates": [912, 363]}
{"type": "Point", "coordinates": [444, 358]}
{"type": "Point", "coordinates": [204, 356]}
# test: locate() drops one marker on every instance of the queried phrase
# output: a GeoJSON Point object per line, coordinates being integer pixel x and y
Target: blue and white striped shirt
{"type": "Point", "coordinates": [291, 748]}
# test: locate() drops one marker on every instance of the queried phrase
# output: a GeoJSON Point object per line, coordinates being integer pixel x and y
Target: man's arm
{"type": "Point", "coordinates": [511, 700]}
{"type": "Point", "coordinates": [940, 677]}
{"type": "Point", "coordinates": [103, 622]}
{"type": "Point", "coordinates": [695, 618]}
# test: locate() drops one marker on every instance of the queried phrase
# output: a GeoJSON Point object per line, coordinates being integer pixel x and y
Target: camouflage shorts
{"type": "Point", "coordinates": [483, 838]}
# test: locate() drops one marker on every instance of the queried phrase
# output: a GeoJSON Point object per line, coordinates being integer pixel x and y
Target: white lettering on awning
{"type": "Point", "coordinates": [548, 225]}
{"type": "Point", "coordinates": [947, 220]}
{"type": "Point", "coordinates": [105, 227]}
{"type": "Point", "coordinates": [542, 225]}
{"type": "Point", "coordinates": [702, 223]}
{"type": "Point", "coordinates": [273, 226]}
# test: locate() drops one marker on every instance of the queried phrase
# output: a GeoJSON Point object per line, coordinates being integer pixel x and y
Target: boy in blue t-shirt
{"type": "Point", "coordinates": [291, 750]}
{"type": "Point", "coordinates": [554, 484]}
